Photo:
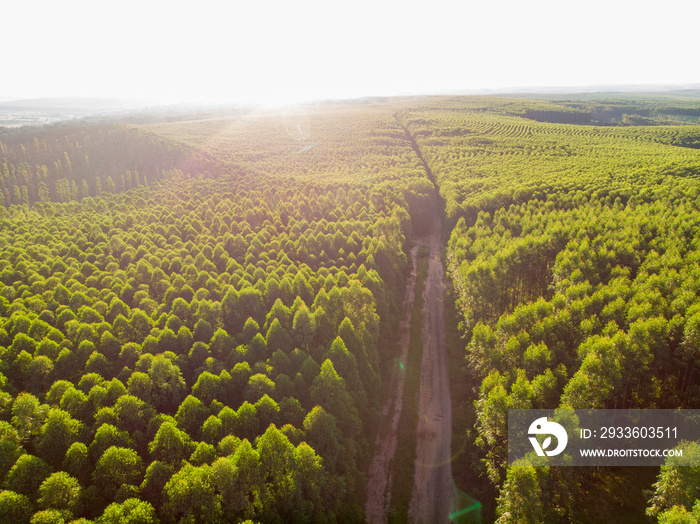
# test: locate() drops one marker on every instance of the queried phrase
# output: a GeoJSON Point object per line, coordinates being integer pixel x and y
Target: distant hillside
{"type": "Point", "coordinates": [41, 111]}
{"type": "Point", "coordinates": [72, 161]}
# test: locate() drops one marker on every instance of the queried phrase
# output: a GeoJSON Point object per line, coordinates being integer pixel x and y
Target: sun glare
{"type": "Point", "coordinates": [279, 52]}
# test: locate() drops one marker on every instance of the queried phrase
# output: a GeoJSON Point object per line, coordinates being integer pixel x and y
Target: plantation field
{"type": "Point", "coordinates": [150, 333]}
{"type": "Point", "coordinates": [486, 158]}
{"type": "Point", "coordinates": [200, 313]}
{"type": "Point", "coordinates": [350, 143]}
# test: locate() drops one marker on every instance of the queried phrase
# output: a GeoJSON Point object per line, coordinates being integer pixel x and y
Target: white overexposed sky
{"type": "Point", "coordinates": [284, 51]}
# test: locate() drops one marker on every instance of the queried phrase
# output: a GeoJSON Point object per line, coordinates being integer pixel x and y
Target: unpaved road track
{"type": "Point", "coordinates": [432, 489]}
{"type": "Point", "coordinates": [379, 475]}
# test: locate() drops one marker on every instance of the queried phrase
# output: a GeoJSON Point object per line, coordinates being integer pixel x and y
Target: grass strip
{"type": "Point", "coordinates": [403, 468]}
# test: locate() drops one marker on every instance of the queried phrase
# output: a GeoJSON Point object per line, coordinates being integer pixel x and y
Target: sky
{"type": "Point", "coordinates": [268, 51]}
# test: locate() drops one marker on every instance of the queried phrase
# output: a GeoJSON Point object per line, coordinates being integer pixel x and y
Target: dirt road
{"type": "Point", "coordinates": [379, 475]}
{"type": "Point", "coordinates": [432, 489]}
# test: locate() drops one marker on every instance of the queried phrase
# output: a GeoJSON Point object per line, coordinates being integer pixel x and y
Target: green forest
{"type": "Point", "coordinates": [199, 313]}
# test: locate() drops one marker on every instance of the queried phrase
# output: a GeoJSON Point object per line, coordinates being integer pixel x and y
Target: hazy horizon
{"type": "Point", "coordinates": [127, 103]}
{"type": "Point", "coordinates": [280, 52]}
